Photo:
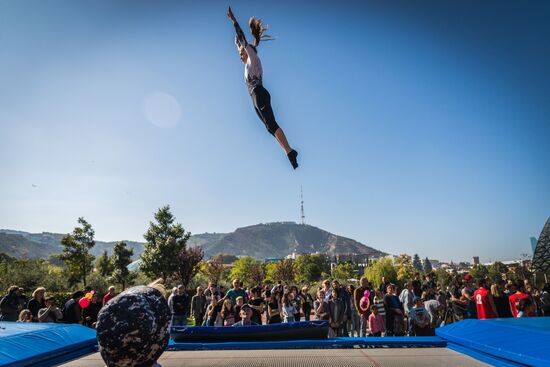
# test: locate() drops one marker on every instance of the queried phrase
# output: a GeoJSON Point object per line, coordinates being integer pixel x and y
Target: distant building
{"type": "Point", "coordinates": [476, 260]}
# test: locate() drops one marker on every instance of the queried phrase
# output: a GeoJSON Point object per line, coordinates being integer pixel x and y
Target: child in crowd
{"type": "Point", "coordinates": [376, 323]}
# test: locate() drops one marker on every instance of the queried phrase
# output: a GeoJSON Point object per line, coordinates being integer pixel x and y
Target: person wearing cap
{"type": "Point", "coordinates": [37, 302]}
{"type": "Point", "coordinates": [246, 316]}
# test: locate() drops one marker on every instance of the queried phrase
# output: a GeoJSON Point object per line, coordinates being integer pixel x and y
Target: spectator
{"type": "Point", "coordinates": [354, 323]}
{"type": "Point", "coordinates": [419, 319]}
{"type": "Point", "coordinates": [337, 313]}
{"type": "Point", "coordinates": [307, 302]}
{"type": "Point", "coordinates": [384, 285]}
{"type": "Point", "coordinates": [240, 303]}
{"type": "Point", "coordinates": [274, 308]}
{"type": "Point", "coordinates": [501, 301]}
{"type": "Point", "coordinates": [25, 316]}
{"type": "Point", "coordinates": [9, 305]}
{"type": "Point", "coordinates": [470, 305]}
{"type": "Point", "coordinates": [72, 312]}
{"type": "Point", "coordinates": [516, 297]}
{"type": "Point", "coordinates": [288, 307]}
{"type": "Point", "coordinates": [526, 307]}
{"type": "Point", "coordinates": [236, 291]}
{"type": "Point", "coordinates": [406, 297]}
{"type": "Point", "coordinates": [89, 314]}
{"type": "Point", "coordinates": [345, 297]}
{"type": "Point", "coordinates": [212, 311]}
{"type": "Point", "coordinates": [376, 323]}
{"type": "Point", "coordinates": [362, 312]}
{"type": "Point", "coordinates": [417, 285]}
{"type": "Point", "coordinates": [111, 293]}
{"type": "Point", "coordinates": [485, 305]}
{"type": "Point", "coordinates": [246, 315]}
{"type": "Point", "coordinates": [394, 313]}
{"type": "Point", "coordinates": [179, 306]}
{"type": "Point", "coordinates": [212, 291]}
{"type": "Point", "coordinates": [37, 302]}
{"type": "Point", "coordinates": [545, 300]}
{"type": "Point", "coordinates": [433, 307]}
{"type": "Point", "coordinates": [198, 306]}
{"type": "Point", "coordinates": [378, 301]}
{"type": "Point", "coordinates": [228, 312]}
{"type": "Point", "coordinates": [50, 313]}
{"type": "Point", "coordinates": [320, 307]}
{"type": "Point", "coordinates": [22, 298]}
{"type": "Point", "coordinates": [257, 304]}
{"type": "Point", "coordinates": [327, 290]}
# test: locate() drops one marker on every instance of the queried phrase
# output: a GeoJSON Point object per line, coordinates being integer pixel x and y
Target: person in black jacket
{"type": "Point", "coordinates": [37, 302]}
{"type": "Point", "coordinates": [9, 305]}
{"type": "Point", "coordinates": [89, 314]}
{"type": "Point", "coordinates": [72, 313]}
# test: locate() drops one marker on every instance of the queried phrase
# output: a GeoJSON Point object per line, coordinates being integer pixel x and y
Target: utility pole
{"type": "Point", "coordinates": [302, 205]}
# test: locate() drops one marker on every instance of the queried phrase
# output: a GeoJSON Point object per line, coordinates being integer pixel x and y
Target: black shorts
{"type": "Point", "coordinates": [262, 104]}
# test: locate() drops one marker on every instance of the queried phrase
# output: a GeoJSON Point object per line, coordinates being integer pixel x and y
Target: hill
{"type": "Point", "coordinates": [271, 240]}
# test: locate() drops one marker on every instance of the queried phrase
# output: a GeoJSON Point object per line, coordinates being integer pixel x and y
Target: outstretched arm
{"type": "Point", "coordinates": [240, 40]}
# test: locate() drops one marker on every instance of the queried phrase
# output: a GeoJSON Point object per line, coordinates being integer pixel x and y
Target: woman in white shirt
{"type": "Point", "coordinates": [253, 78]}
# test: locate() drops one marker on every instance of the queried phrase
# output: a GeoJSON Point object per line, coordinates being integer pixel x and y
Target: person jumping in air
{"type": "Point", "coordinates": [253, 78]}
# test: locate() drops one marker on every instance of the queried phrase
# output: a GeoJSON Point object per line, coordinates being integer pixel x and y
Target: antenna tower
{"type": "Point", "coordinates": [302, 205]}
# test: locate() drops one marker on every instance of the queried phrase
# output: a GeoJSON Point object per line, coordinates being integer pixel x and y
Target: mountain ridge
{"type": "Point", "coordinates": [263, 240]}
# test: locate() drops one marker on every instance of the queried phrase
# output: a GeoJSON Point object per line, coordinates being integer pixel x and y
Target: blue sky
{"type": "Point", "coordinates": [422, 127]}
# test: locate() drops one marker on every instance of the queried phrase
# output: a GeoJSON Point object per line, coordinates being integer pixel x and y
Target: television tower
{"type": "Point", "coordinates": [302, 205]}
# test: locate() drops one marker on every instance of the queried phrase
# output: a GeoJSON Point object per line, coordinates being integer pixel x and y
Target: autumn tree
{"type": "Point", "coordinates": [189, 263]}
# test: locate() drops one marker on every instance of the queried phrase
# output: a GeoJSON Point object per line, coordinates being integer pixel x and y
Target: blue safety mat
{"type": "Point", "coordinates": [520, 341]}
{"type": "Point", "coordinates": [43, 344]}
{"type": "Point", "coordinates": [421, 341]}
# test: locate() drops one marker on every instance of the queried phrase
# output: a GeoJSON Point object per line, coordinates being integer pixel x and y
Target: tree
{"type": "Point", "coordinates": [257, 274]}
{"type": "Point", "coordinates": [310, 267]}
{"type": "Point", "coordinates": [427, 266]}
{"type": "Point", "coordinates": [104, 265]}
{"type": "Point", "coordinates": [165, 241]}
{"type": "Point", "coordinates": [76, 252]}
{"type": "Point", "coordinates": [496, 269]}
{"type": "Point", "coordinates": [443, 278]}
{"type": "Point", "coordinates": [122, 257]}
{"type": "Point", "coordinates": [381, 268]}
{"type": "Point", "coordinates": [417, 263]}
{"type": "Point", "coordinates": [242, 269]}
{"type": "Point", "coordinates": [284, 271]}
{"type": "Point", "coordinates": [269, 271]}
{"type": "Point", "coordinates": [479, 271]}
{"type": "Point", "coordinates": [189, 263]}
{"type": "Point", "coordinates": [344, 272]}
{"type": "Point", "coordinates": [213, 269]}
{"type": "Point", "coordinates": [405, 268]}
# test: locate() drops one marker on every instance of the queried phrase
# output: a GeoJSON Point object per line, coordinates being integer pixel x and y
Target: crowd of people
{"type": "Point", "coordinates": [351, 310]}
{"type": "Point", "coordinates": [417, 309]}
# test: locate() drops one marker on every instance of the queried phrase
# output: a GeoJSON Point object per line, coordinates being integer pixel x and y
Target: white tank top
{"type": "Point", "coordinates": [252, 69]}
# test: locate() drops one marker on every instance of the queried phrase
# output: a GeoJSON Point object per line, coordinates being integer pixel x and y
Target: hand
{"type": "Point", "coordinates": [230, 14]}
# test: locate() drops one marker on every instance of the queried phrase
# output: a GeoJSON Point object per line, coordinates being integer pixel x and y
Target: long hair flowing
{"type": "Point", "coordinates": [258, 28]}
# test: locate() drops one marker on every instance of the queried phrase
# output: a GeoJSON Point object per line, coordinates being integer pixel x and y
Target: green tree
{"type": "Point", "coordinates": [310, 267]}
{"type": "Point", "coordinates": [381, 268]}
{"type": "Point", "coordinates": [104, 265]}
{"type": "Point", "coordinates": [496, 269]}
{"type": "Point", "coordinates": [284, 271]}
{"type": "Point", "coordinates": [479, 271]}
{"type": "Point", "coordinates": [417, 263]}
{"type": "Point", "coordinates": [405, 268]}
{"type": "Point", "coordinates": [31, 274]}
{"type": "Point", "coordinates": [427, 266]}
{"type": "Point", "coordinates": [269, 271]}
{"type": "Point", "coordinates": [76, 252]}
{"type": "Point", "coordinates": [164, 242]}
{"type": "Point", "coordinates": [242, 269]}
{"type": "Point", "coordinates": [443, 277]}
{"type": "Point", "coordinates": [344, 271]}
{"type": "Point", "coordinates": [122, 257]}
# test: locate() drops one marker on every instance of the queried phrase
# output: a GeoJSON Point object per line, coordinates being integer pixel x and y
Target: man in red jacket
{"type": "Point", "coordinates": [110, 294]}
{"type": "Point", "coordinates": [485, 304]}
